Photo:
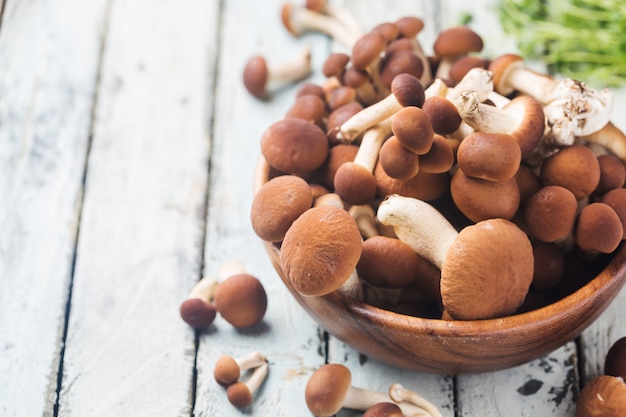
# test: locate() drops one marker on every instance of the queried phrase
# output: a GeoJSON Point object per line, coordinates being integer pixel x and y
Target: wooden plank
{"type": "Point", "coordinates": [139, 253]}
{"type": "Point", "coordinates": [47, 82]}
{"type": "Point", "coordinates": [287, 336]}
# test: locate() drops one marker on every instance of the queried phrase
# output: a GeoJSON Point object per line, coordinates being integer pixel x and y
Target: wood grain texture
{"type": "Point", "coordinates": [128, 351]}
{"type": "Point", "coordinates": [47, 82]}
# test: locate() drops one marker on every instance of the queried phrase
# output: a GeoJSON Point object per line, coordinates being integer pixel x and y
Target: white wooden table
{"type": "Point", "coordinates": [127, 151]}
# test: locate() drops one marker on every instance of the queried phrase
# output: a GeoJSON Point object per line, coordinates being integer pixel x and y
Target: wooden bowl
{"type": "Point", "coordinates": [457, 347]}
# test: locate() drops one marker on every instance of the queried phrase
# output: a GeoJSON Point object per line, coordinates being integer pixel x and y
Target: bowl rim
{"type": "Point", "coordinates": [607, 284]}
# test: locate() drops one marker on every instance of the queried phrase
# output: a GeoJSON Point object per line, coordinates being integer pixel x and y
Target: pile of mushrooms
{"type": "Point", "coordinates": [403, 172]}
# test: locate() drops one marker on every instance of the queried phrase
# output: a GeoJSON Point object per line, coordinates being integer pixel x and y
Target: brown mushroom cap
{"type": "Point", "coordinates": [338, 116]}
{"type": "Point", "coordinates": [197, 313]}
{"type": "Point", "coordinates": [388, 31]}
{"type": "Point", "coordinates": [602, 396]}
{"type": "Point", "coordinates": [574, 167]}
{"type": "Point", "coordinates": [489, 156]}
{"type": "Point", "coordinates": [384, 409]}
{"type": "Point", "coordinates": [443, 115]}
{"type": "Point", "coordinates": [456, 41]}
{"type": "Point", "coordinates": [308, 107]}
{"type": "Point", "coordinates": [400, 62]}
{"type": "Point", "coordinates": [408, 90]}
{"type": "Point", "coordinates": [294, 146]}
{"type": "Point", "coordinates": [326, 389]}
{"type": "Point", "coordinates": [367, 50]}
{"type": "Point", "coordinates": [461, 66]}
{"type": "Point", "coordinates": [255, 75]}
{"type": "Point", "coordinates": [409, 26]}
{"type": "Point", "coordinates": [550, 213]}
{"type": "Point", "coordinates": [487, 271]}
{"type": "Point", "coordinates": [335, 64]}
{"type": "Point", "coordinates": [549, 265]}
{"type": "Point", "coordinates": [612, 173]}
{"type": "Point", "coordinates": [277, 204]}
{"type": "Point", "coordinates": [480, 199]}
{"type": "Point", "coordinates": [337, 155]}
{"type": "Point", "coordinates": [598, 229]}
{"type": "Point", "coordinates": [528, 183]}
{"type": "Point", "coordinates": [241, 300]}
{"type": "Point", "coordinates": [616, 199]}
{"type": "Point", "coordinates": [397, 161]}
{"type": "Point", "coordinates": [321, 250]}
{"type": "Point", "coordinates": [615, 361]}
{"type": "Point", "coordinates": [424, 186]}
{"type": "Point", "coordinates": [531, 118]}
{"type": "Point", "coordinates": [387, 262]}
{"type": "Point", "coordinates": [355, 183]}
{"type": "Point", "coordinates": [440, 157]}
{"type": "Point", "coordinates": [341, 96]}
{"type": "Point", "coordinates": [412, 128]}
{"type": "Point", "coordinates": [500, 68]}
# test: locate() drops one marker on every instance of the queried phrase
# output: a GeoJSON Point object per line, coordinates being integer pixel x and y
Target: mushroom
{"type": "Point", "coordinates": [337, 117]}
{"type": "Point", "coordinates": [574, 167]}
{"type": "Point", "coordinates": [480, 199]}
{"type": "Point", "coordinates": [615, 361]}
{"type": "Point", "coordinates": [522, 118]}
{"type": "Point", "coordinates": [424, 185]}
{"type": "Point", "coordinates": [616, 199]}
{"type": "Point", "coordinates": [550, 213]}
{"type": "Point", "coordinates": [409, 27]}
{"type": "Point", "coordinates": [240, 394]}
{"type": "Point", "coordinates": [338, 13]}
{"type": "Point", "coordinates": [387, 262]}
{"type": "Point", "coordinates": [443, 115]}
{"type": "Point", "coordinates": [440, 157]}
{"type": "Point", "coordinates": [453, 43]}
{"type": "Point", "coordinates": [330, 389]}
{"type": "Point", "coordinates": [486, 268]}
{"type": "Point", "coordinates": [612, 173]}
{"type": "Point", "coordinates": [276, 205]}
{"type": "Point", "coordinates": [298, 20]}
{"type": "Point", "coordinates": [598, 229]}
{"type": "Point", "coordinates": [309, 107]}
{"type": "Point", "coordinates": [478, 80]}
{"type": "Point", "coordinates": [411, 126]}
{"type": "Point", "coordinates": [197, 310]}
{"type": "Point", "coordinates": [397, 161]}
{"type": "Point", "coordinates": [354, 181]}
{"type": "Point", "coordinates": [460, 67]}
{"type": "Point", "coordinates": [406, 90]}
{"type": "Point", "coordinates": [294, 146]}
{"type": "Point", "coordinates": [399, 62]}
{"type": "Point", "coordinates": [602, 396]}
{"type": "Point", "coordinates": [320, 250]}
{"type": "Point", "coordinates": [384, 409]}
{"type": "Point", "coordinates": [228, 369]}
{"type": "Point", "coordinates": [259, 76]}
{"type": "Point", "coordinates": [489, 156]}
{"type": "Point", "coordinates": [340, 96]}
{"type": "Point", "coordinates": [610, 137]}
{"type": "Point", "coordinates": [549, 265]}
{"type": "Point", "coordinates": [366, 56]}
{"type": "Point", "coordinates": [400, 394]}
{"type": "Point", "coordinates": [361, 82]}
{"type": "Point", "coordinates": [365, 218]}
{"type": "Point", "coordinates": [241, 300]}
{"type": "Point", "coordinates": [337, 155]}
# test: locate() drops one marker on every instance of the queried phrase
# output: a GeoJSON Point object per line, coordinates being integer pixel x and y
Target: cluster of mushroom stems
{"type": "Point", "coordinates": [516, 172]}
{"type": "Point", "coordinates": [228, 372]}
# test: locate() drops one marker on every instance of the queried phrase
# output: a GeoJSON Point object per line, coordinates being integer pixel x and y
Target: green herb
{"type": "Point", "coordinates": [581, 39]}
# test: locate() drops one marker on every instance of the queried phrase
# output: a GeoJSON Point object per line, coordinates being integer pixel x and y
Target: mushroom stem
{"type": "Point", "coordinates": [479, 80]}
{"type": "Point", "coordinates": [228, 369]}
{"type": "Point", "coordinates": [483, 117]}
{"type": "Point", "coordinates": [368, 117]}
{"type": "Point", "coordinates": [365, 216]}
{"type": "Point", "coordinates": [240, 393]}
{"type": "Point", "coordinates": [361, 399]}
{"type": "Point", "coordinates": [610, 137]}
{"type": "Point", "coordinates": [373, 139]}
{"type": "Point", "coordinates": [204, 289]}
{"type": "Point", "coordinates": [298, 20]}
{"type": "Point", "coordinates": [398, 393]}
{"type": "Point", "coordinates": [419, 225]}
{"type": "Point", "coordinates": [534, 84]}
{"type": "Point", "coordinates": [295, 68]}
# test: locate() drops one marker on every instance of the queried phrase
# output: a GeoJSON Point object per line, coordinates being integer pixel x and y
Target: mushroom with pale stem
{"type": "Point", "coordinates": [616, 199]}
{"type": "Point", "coordinates": [615, 360]}
{"type": "Point", "coordinates": [550, 213]}
{"type": "Point", "coordinates": [443, 115]}
{"type": "Point", "coordinates": [611, 137]}
{"type": "Point", "coordinates": [228, 369]}
{"type": "Point", "coordinates": [602, 396]}
{"type": "Point", "coordinates": [409, 27]}
{"type": "Point", "coordinates": [399, 394]}
{"type": "Point", "coordinates": [337, 117]}
{"type": "Point", "coordinates": [598, 229]}
{"type": "Point", "coordinates": [365, 218]}
{"type": "Point", "coordinates": [197, 310]}
{"type": "Point", "coordinates": [340, 96]}
{"type": "Point", "coordinates": [384, 409]}
{"type": "Point", "coordinates": [460, 67]}
{"type": "Point", "coordinates": [574, 167]}
{"type": "Point", "coordinates": [335, 65]}
{"type": "Point", "coordinates": [522, 118]}
{"type": "Point", "coordinates": [240, 394]}
{"type": "Point", "coordinates": [453, 43]}
{"type": "Point", "coordinates": [397, 161]}
{"type": "Point", "coordinates": [486, 268]}
{"type": "Point", "coordinates": [360, 81]}
{"type": "Point", "coordinates": [480, 199]}
{"type": "Point", "coordinates": [298, 20]}
{"type": "Point", "coordinates": [320, 250]}
{"type": "Point", "coordinates": [338, 13]}
{"type": "Point", "coordinates": [424, 185]}
{"type": "Point", "coordinates": [330, 389]}
{"type": "Point", "coordinates": [406, 90]}
{"type": "Point", "coordinates": [489, 156]}
{"type": "Point", "coordinates": [259, 76]}
{"type": "Point", "coordinates": [241, 300]}
{"type": "Point", "coordinates": [354, 181]}
{"type": "Point", "coordinates": [411, 126]}
{"type": "Point", "coordinates": [366, 56]}
{"type": "Point", "coordinates": [294, 146]}
{"type": "Point", "coordinates": [277, 204]}
{"type": "Point", "coordinates": [337, 155]}
{"type": "Point", "coordinates": [478, 80]}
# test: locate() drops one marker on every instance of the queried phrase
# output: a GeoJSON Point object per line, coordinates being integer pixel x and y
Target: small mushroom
{"type": "Point", "coordinates": [298, 20]}
{"type": "Point", "coordinates": [241, 300]}
{"type": "Point", "coordinates": [460, 67]}
{"type": "Point", "coordinates": [489, 156]}
{"type": "Point", "coordinates": [453, 43]}
{"type": "Point", "coordinates": [259, 76]}
{"type": "Point", "coordinates": [616, 199]}
{"type": "Point", "coordinates": [366, 56]}
{"type": "Point", "coordinates": [294, 146]}
{"type": "Point", "coordinates": [241, 394]}
{"type": "Point", "coordinates": [354, 181]}
{"type": "Point", "coordinates": [486, 268]}
{"type": "Point", "coordinates": [615, 361]}
{"type": "Point", "coordinates": [387, 262]}
{"type": "Point", "coordinates": [384, 409]}
{"type": "Point", "coordinates": [320, 250]}
{"type": "Point", "coordinates": [399, 394]}
{"type": "Point", "coordinates": [406, 90]}
{"type": "Point", "coordinates": [337, 156]}
{"type": "Point", "coordinates": [510, 74]}
{"type": "Point", "coordinates": [522, 118]}
{"type": "Point", "coordinates": [197, 310]}
{"type": "Point", "coordinates": [308, 107]}
{"type": "Point", "coordinates": [598, 229]}
{"type": "Point", "coordinates": [602, 396]}
{"type": "Point", "coordinates": [443, 115]}
{"type": "Point", "coordinates": [399, 62]}
{"type": "Point", "coordinates": [424, 185]}
{"type": "Point", "coordinates": [330, 389]}
{"type": "Point", "coordinates": [338, 13]}
{"type": "Point", "coordinates": [440, 158]}
{"type": "Point", "coordinates": [574, 167]}
{"type": "Point", "coordinates": [612, 173]}
{"type": "Point", "coordinates": [228, 369]}
{"type": "Point", "coordinates": [277, 204]}
{"type": "Point", "coordinates": [365, 218]}
{"type": "Point", "coordinates": [411, 126]}
{"type": "Point", "coordinates": [550, 213]}
{"type": "Point", "coordinates": [397, 161]}
{"type": "Point", "coordinates": [409, 28]}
